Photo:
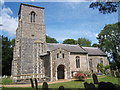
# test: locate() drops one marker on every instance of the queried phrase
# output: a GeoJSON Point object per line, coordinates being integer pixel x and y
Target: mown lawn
{"type": "Point", "coordinates": [80, 84]}
{"type": "Point", "coordinates": [73, 84]}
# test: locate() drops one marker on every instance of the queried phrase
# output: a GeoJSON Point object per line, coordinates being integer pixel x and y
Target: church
{"type": "Point", "coordinates": [34, 58]}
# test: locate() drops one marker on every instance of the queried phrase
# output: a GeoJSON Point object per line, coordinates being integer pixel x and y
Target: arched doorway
{"type": "Point", "coordinates": [61, 72]}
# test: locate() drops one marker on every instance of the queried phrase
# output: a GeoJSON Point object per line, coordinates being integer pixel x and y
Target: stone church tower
{"type": "Point", "coordinates": [34, 58]}
{"type": "Point", "coordinates": [30, 41]}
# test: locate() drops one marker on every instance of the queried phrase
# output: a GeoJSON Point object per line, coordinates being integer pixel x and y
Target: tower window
{"type": "Point", "coordinates": [77, 62]}
{"type": "Point", "coordinates": [32, 16]}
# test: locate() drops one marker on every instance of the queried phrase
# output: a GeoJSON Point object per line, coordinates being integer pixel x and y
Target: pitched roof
{"type": "Point", "coordinates": [68, 47]}
{"type": "Point", "coordinates": [94, 51]}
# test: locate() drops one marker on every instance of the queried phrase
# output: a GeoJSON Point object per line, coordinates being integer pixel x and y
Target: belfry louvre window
{"type": "Point", "coordinates": [32, 16]}
{"type": "Point", "coordinates": [77, 62]}
{"type": "Point", "coordinates": [57, 55]}
{"type": "Point", "coordinates": [63, 55]}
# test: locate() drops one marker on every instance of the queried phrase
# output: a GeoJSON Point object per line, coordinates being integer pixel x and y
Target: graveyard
{"type": "Point", "coordinates": [38, 65]}
{"type": "Point", "coordinates": [66, 84]}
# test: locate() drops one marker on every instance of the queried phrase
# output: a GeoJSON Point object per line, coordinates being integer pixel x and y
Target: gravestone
{"type": "Point", "coordinates": [61, 88]}
{"type": "Point", "coordinates": [95, 79]}
{"type": "Point", "coordinates": [106, 86]}
{"type": "Point", "coordinates": [89, 86]}
{"type": "Point", "coordinates": [32, 84]}
{"type": "Point", "coordinates": [36, 84]}
{"type": "Point", "coordinates": [45, 86]}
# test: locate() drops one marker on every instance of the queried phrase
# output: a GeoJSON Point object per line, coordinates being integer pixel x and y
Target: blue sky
{"type": "Point", "coordinates": [63, 20]}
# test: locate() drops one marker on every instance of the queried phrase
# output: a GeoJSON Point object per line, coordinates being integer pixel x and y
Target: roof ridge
{"type": "Point", "coordinates": [64, 44]}
{"type": "Point", "coordinates": [91, 47]}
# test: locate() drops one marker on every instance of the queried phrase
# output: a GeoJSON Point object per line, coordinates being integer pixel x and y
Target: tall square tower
{"type": "Point", "coordinates": [30, 41]}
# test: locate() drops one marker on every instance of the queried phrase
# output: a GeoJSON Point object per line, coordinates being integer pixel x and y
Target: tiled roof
{"type": "Point", "coordinates": [94, 51]}
{"type": "Point", "coordinates": [68, 47]}
{"type": "Point", "coordinates": [76, 49]}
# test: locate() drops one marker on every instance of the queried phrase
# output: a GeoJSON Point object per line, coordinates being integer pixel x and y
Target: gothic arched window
{"type": "Point", "coordinates": [77, 62]}
{"type": "Point", "coordinates": [101, 61]}
{"type": "Point", "coordinates": [32, 16]}
{"type": "Point", "coordinates": [90, 63]}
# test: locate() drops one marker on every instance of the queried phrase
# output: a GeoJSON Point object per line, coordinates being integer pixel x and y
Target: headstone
{"type": "Point", "coordinates": [95, 79]}
{"type": "Point", "coordinates": [4, 76]}
{"type": "Point", "coordinates": [89, 86]}
{"type": "Point", "coordinates": [106, 86]}
{"type": "Point", "coordinates": [61, 88]}
{"type": "Point", "coordinates": [45, 86]}
{"type": "Point", "coordinates": [36, 84]}
{"type": "Point", "coordinates": [32, 84]}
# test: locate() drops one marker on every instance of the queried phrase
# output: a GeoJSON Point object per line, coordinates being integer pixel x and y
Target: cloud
{"type": "Point", "coordinates": [8, 22]}
{"type": "Point", "coordinates": [2, 2]}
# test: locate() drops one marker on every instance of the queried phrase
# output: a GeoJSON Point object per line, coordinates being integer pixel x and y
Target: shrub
{"type": "Point", "coordinates": [80, 76]}
{"type": "Point", "coordinates": [103, 69]}
{"type": "Point", "coordinates": [88, 74]}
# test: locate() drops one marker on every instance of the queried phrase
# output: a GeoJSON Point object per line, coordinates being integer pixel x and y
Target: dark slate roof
{"type": "Point", "coordinates": [94, 51]}
{"type": "Point", "coordinates": [68, 47]}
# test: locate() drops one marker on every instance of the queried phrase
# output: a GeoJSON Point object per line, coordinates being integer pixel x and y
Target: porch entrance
{"type": "Point", "coordinates": [61, 72]}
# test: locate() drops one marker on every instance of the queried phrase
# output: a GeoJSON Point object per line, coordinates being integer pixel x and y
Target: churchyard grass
{"type": "Point", "coordinates": [80, 84]}
{"type": "Point", "coordinates": [6, 81]}
{"type": "Point", "coordinates": [74, 84]}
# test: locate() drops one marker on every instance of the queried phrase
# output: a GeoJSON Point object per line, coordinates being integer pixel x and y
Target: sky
{"type": "Point", "coordinates": [63, 20]}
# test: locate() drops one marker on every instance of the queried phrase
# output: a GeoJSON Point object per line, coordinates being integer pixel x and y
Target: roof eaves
{"type": "Point", "coordinates": [96, 55]}
{"type": "Point", "coordinates": [80, 52]}
{"type": "Point", "coordinates": [58, 48]}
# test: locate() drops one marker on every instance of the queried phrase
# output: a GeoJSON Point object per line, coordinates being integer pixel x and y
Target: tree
{"type": "Point", "coordinates": [95, 45]}
{"type": "Point", "coordinates": [103, 69]}
{"type": "Point", "coordinates": [84, 42]}
{"type": "Point", "coordinates": [0, 54]}
{"type": "Point", "coordinates": [7, 55]}
{"type": "Point", "coordinates": [69, 41]}
{"type": "Point", "coordinates": [100, 67]}
{"type": "Point", "coordinates": [51, 40]}
{"type": "Point", "coordinates": [105, 7]}
{"type": "Point", "coordinates": [109, 42]}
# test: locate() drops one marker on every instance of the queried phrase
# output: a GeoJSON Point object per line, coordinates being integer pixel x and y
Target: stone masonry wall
{"type": "Point", "coordinates": [96, 60]}
{"type": "Point", "coordinates": [83, 62]}
{"type": "Point", "coordinates": [27, 53]}
{"type": "Point", "coordinates": [60, 61]}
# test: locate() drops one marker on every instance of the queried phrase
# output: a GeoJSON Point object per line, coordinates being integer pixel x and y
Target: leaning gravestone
{"type": "Point", "coordinates": [32, 84]}
{"type": "Point", "coordinates": [95, 79]}
{"type": "Point", "coordinates": [36, 84]}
